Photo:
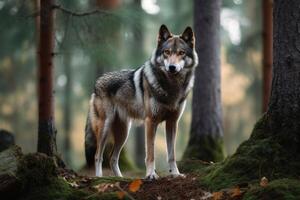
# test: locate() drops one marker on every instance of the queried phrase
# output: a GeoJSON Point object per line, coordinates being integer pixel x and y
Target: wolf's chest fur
{"type": "Point", "coordinates": [144, 92]}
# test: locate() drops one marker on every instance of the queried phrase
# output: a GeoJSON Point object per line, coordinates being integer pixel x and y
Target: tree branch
{"type": "Point", "coordinates": [80, 14]}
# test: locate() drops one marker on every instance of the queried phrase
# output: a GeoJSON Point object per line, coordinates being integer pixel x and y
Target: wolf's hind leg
{"type": "Point", "coordinates": [120, 129]}
{"type": "Point", "coordinates": [101, 142]}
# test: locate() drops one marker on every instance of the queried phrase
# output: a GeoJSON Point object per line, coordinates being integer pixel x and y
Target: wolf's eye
{"type": "Point", "coordinates": [167, 52]}
{"type": "Point", "coordinates": [181, 53]}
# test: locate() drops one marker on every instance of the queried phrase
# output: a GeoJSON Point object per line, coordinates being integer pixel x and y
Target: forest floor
{"type": "Point", "coordinates": [37, 176]}
{"type": "Point", "coordinates": [167, 187]}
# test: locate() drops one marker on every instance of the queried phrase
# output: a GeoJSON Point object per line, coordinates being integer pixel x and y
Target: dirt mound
{"type": "Point", "coordinates": [171, 188]}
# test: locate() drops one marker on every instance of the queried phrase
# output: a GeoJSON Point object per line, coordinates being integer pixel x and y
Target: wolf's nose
{"type": "Point", "coordinates": [172, 68]}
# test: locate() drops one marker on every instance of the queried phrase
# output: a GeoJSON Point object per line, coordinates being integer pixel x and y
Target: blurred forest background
{"type": "Point", "coordinates": [121, 38]}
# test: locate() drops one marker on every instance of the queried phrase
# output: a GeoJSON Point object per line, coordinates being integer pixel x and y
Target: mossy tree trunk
{"type": "Point", "coordinates": [46, 127]}
{"type": "Point", "coordinates": [284, 107]}
{"type": "Point", "coordinates": [273, 149]}
{"type": "Point", "coordinates": [206, 133]}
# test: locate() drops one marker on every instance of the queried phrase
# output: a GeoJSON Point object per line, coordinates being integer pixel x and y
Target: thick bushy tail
{"type": "Point", "coordinates": [90, 143]}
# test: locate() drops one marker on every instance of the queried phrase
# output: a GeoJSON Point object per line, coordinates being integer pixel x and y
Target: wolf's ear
{"type": "Point", "coordinates": [188, 36]}
{"type": "Point", "coordinates": [163, 34]}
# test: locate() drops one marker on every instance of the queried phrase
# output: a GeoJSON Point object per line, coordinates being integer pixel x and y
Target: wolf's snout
{"type": "Point", "coordinates": [172, 68]}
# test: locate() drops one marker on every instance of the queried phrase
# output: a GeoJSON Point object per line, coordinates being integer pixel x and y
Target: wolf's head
{"type": "Point", "coordinates": [175, 52]}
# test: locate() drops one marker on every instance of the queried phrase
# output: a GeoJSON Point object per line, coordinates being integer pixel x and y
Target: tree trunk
{"type": "Point", "coordinates": [267, 51]}
{"type": "Point", "coordinates": [274, 146]}
{"type": "Point", "coordinates": [46, 128]}
{"type": "Point", "coordinates": [67, 107]}
{"type": "Point", "coordinates": [137, 58]}
{"type": "Point", "coordinates": [206, 134]}
{"type": "Point", "coordinates": [284, 109]}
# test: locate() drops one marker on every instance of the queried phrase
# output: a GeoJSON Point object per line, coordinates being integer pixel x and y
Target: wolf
{"type": "Point", "coordinates": [154, 93]}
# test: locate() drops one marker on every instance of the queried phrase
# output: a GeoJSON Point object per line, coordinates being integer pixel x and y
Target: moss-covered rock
{"type": "Point", "coordinates": [264, 154]}
{"type": "Point", "coordinates": [55, 188]}
{"type": "Point", "coordinates": [9, 159]}
{"type": "Point", "coordinates": [36, 169]}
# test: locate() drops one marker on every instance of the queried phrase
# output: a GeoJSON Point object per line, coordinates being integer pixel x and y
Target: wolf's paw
{"type": "Point", "coordinates": [178, 175]}
{"type": "Point", "coordinates": [152, 176]}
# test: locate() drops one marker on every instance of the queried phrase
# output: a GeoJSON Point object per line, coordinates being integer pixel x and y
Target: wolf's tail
{"type": "Point", "coordinates": [90, 143]}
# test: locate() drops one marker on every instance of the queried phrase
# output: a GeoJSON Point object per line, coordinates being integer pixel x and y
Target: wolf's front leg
{"type": "Point", "coordinates": [171, 130]}
{"type": "Point", "coordinates": [150, 127]}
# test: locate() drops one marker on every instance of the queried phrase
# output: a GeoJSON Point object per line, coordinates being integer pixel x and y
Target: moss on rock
{"type": "Point", "coordinates": [36, 169]}
{"type": "Point", "coordinates": [56, 188]}
{"type": "Point", "coordinates": [9, 159]}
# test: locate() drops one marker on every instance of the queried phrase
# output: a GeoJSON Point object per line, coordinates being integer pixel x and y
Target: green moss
{"type": "Point", "coordinates": [57, 188]}
{"type": "Point", "coordinates": [198, 167]}
{"type": "Point", "coordinates": [278, 189]}
{"type": "Point", "coordinates": [206, 148]}
{"type": "Point", "coordinates": [263, 154]}
{"type": "Point", "coordinates": [36, 169]}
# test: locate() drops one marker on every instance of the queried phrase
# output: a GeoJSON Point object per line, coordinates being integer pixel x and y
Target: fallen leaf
{"type": "Point", "coordinates": [121, 194]}
{"type": "Point", "coordinates": [217, 195]}
{"type": "Point", "coordinates": [264, 182]}
{"type": "Point", "coordinates": [235, 192]}
{"type": "Point", "coordinates": [135, 185]}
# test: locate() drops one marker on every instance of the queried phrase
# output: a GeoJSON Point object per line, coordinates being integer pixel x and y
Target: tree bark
{"type": "Point", "coordinates": [46, 128]}
{"type": "Point", "coordinates": [284, 107]}
{"type": "Point", "coordinates": [206, 133]}
{"type": "Point", "coordinates": [267, 51]}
